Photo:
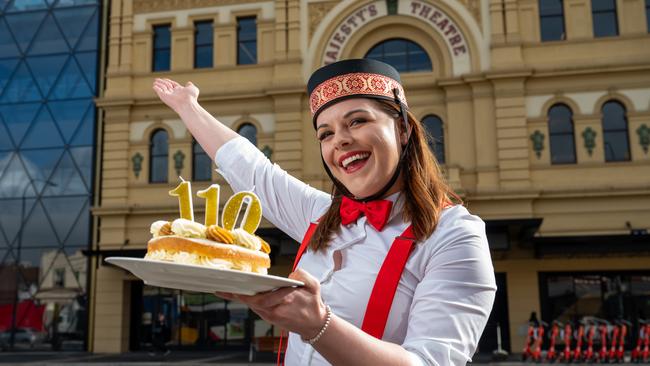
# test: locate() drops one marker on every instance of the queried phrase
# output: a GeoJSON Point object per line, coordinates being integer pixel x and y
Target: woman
{"type": "Point", "coordinates": [394, 273]}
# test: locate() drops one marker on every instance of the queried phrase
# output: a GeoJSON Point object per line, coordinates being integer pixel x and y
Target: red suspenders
{"type": "Point", "coordinates": [383, 292]}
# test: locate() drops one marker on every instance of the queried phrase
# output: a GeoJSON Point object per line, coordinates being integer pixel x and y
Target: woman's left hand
{"type": "Point", "coordinates": [299, 310]}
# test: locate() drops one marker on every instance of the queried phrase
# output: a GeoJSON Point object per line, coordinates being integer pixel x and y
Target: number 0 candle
{"type": "Point", "coordinates": [211, 196]}
{"type": "Point", "coordinates": [184, 194]}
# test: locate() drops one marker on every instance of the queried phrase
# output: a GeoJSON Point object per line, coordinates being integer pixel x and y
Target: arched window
{"type": "Point", "coordinates": [560, 128]}
{"type": "Point", "coordinates": [249, 131]}
{"type": "Point", "coordinates": [402, 54]}
{"type": "Point", "coordinates": [615, 138]}
{"type": "Point", "coordinates": [201, 163]}
{"type": "Point", "coordinates": [435, 136]}
{"type": "Point", "coordinates": [158, 151]}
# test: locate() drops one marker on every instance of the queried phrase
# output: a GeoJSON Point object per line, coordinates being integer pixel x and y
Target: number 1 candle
{"type": "Point", "coordinates": [211, 196]}
{"type": "Point", "coordinates": [184, 194]}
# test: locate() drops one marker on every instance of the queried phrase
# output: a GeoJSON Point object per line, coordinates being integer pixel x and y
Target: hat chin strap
{"type": "Point", "coordinates": [341, 188]}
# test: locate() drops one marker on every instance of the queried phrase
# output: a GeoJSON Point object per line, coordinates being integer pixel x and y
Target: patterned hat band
{"type": "Point", "coordinates": [361, 84]}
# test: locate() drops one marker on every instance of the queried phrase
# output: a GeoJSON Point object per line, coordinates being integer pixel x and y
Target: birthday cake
{"type": "Point", "coordinates": [185, 241]}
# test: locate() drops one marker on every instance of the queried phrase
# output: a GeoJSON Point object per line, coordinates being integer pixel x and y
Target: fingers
{"type": "Point", "coordinates": [311, 283]}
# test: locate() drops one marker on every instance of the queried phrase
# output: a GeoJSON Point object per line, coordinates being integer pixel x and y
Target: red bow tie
{"type": "Point", "coordinates": [376, 211]}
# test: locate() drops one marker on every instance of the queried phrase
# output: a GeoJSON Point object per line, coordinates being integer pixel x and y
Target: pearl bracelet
{"type": "Point", "coordinates": [328, 318]}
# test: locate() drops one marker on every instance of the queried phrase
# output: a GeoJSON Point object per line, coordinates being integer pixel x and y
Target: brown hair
{"type": "Point", "coordinates": [425, 189]}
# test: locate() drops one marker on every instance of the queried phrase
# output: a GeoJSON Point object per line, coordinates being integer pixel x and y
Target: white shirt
{"type": "Point", "coordinates": [446, 291]}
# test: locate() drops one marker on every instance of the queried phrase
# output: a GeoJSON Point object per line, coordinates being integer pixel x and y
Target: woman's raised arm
{"type": "Point", "coordinates": [207, 130]}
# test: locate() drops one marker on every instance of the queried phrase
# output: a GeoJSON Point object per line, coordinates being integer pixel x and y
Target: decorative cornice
{"type": "Point", "coordinates": [150, 6]}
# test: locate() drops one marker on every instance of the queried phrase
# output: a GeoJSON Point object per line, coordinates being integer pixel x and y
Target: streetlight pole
{"type": "Point", "coordinates": [12, 338]}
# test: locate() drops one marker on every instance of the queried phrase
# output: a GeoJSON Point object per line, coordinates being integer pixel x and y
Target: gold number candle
{"type": "Point", "coordinates": [252, 216]}
{"type": "Point", "coordinates": [211, 196]}
{"type": "Point", "coordinates": [184, 194]}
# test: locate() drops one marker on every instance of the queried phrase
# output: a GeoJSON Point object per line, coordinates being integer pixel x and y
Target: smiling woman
{"type": "Point", "coordinates": [391, 266]}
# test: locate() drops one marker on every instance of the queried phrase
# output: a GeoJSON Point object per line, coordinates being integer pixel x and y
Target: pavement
{"type": "Point", "coordinates": [186, 358]}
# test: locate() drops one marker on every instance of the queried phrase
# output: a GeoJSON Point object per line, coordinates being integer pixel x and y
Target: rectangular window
{"type": "Point", "coordinates": [59, 278]}
{"type": "Point", "coordinates": [203, 44]}
{"type": "Point", "coordinates": [603, 13]}
{"type": "Point", "coordinates": [246, 41]}
{"type": "Point", "coordinates": [551, 20]}
{"type": "Point", "coordinates": [161, 47]}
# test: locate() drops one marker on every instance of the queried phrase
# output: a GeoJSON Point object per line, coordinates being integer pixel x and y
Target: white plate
{"type": "Point", "coordinates": [199, 278]}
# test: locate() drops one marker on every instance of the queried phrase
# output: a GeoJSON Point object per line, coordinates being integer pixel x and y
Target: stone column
{"type": "Point", "coordinates": [112, 311]}
{"type": "Point", "coordinates": [225, 44]}
{"type": "Point", "coordinates": [511, 130]}
{"type": "Point", "coordinates": [281, 36]}
{"type": "Point", "coordinates": [288, 132]}
{"type": "Point", "coordinates": [182, 43]}
{"type": "Point", "coordinates": [485, 136]}
{"type": "Point", "coordinates": [460, 134]}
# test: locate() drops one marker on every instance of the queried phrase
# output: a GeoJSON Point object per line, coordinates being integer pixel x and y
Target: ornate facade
{"type": "Point", "coordinates": [565, 197]}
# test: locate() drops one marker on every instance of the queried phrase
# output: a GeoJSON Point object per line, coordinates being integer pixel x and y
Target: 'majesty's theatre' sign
{"type": "Point", "coordinates": [439, 21]}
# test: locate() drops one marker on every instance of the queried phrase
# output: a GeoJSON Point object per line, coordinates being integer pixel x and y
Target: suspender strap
{"type": "Point", "coordinates": [305, 244]}
{"type": "Point", "coordinates": [383, 292]}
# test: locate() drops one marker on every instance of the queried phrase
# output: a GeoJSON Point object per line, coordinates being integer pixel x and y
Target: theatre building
{"type": "Point", "coordinates": [538, 111]}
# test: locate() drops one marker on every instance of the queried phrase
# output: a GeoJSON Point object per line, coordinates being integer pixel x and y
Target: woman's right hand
{"type": "Point", "coordinates": [174, 94]}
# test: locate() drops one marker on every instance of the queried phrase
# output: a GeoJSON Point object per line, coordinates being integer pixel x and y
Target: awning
{"type": "Point", "coordinates": [504, 234]}
{"type": "Point", "coordinates": [591, 245]}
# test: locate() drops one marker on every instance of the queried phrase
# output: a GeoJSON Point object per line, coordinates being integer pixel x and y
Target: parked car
{"type": "Point", "coordinates": [23, 336]}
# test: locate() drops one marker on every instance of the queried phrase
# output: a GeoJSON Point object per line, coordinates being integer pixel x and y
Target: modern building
{"type": "Point", "coordinates": [49, 78]}
{"type": "Point", "coordinates": [538, 110]}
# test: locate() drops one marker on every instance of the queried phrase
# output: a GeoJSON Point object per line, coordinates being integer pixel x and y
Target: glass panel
{"type": "Point", "coordinates": [560, 119]}
{"type": "Point", "coordinates": [550, 7]}
{"type": "Point", "coordinates": [202, 165]}
{"type": "Point", "coordinates": [647, 14]}
{"type": "Point", "coordinates": [37, 231]}
{"type": "Point", "coordinates": [246, 41]}
{"type": "Point", "coordinates": [5, 141]}
{"type": "Point", "coordinates": [616, 146]}
{"type": "Point", "coordinates": [10, 215]}
{"type": "Point", "coordinates": [48, 40]}
{"type": "Point", "coordinates": [22, 5]}
{"type": "Point", "coordinates": [8, 47]}
{"type": "Point", "coordinates": [85, 134]}
{"type": "Point", "coordinates": [614, 116]}
{"type": "Point", "coordinates": [21, 88]}
{"type": "Point", "coordinates": [161, 60]}
{"type": "Point", "coordinates": [46, 70]}
{"type": "Point", "coordinates": [204, 33]}
{"type": "Point", "coordinates": [90, 36]}
{"type": "Point", "coordinates": [161, 47]}
{"type": "Point", "coordinates": [158, 169]}
{"type": "Point", "coordinates": [72, 83]}
{"type": "Point", "coordinates": [23, 26]}
{"type": "Point", "coordinates": [14, 178]}
{"type": "Point", "coordinates": [18, 118]}
{"type": "Point", "coordinates": [68, 215]}
{"type": "Point", "coordinates": [402, 54]}
{"type": "Point", "coordinates": [562, 149]}
{"type": "Point", "coordinates": [43, 125]}
{"type": "Point", "coordinates": [63, 3]}
{"type": "Point", "coordinates": [605, 24]}
{"type": "Point", "coordinates": [40, 164]}
{"type": "Point", "coordinates": [83, 157]}
{"type": "Point", "coordinates": [249, 131]}
{"type": "Point", "coordinates": [74, 21]}
{"type": "Point", "coordinates": [88, 63]}
{"type": "Point", "coordinates": [68, 114]}
{"type": "Point", "coordinates": [603, 5]}
{"type": "Point", "coordinates": [159, 143]}
{"type": "Point", "coordinates": [203, 57]}
{"type": "Point", "coordinates": [588, 295]}
{"type": "Point", "coordinates": [80, 234]}
{"type": "Point", "coordinates": [66, 179]}
{"type": "Point", "coordinates": [552, 28]}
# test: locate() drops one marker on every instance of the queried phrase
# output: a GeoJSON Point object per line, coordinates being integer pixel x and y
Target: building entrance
{"type": "Point", "coordinates": [190, 321]}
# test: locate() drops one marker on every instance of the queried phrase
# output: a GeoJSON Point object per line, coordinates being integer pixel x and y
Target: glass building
{"type": "Point", "coordinates": [48, 80]}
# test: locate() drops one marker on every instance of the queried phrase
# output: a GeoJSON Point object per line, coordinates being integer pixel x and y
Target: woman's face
{"type": "Point", "coordinates": [359, 145]}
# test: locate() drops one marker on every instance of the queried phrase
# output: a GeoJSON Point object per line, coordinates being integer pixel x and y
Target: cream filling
{"type": "Point", "coordinates": [155, 228]}
{"type": "Point", "coordinates": [188, 229]}
{"type": "Point", "coordinates": [245, 239]}
{"type": "Point", "coordinates": [195, 259]}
